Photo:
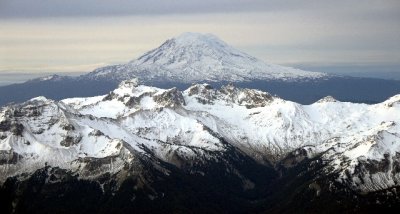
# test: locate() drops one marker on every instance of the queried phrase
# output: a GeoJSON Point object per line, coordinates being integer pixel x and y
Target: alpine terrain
{"type": "Point", "coordinates": [199, 58]}
{"type": "Point", "coordinates": [201, 150]}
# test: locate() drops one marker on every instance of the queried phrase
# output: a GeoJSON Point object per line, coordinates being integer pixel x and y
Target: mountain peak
{"type": "Point", "coordinates": [131, 83]}
{"type": "Point", "coordinates": [196, 57]}
{"type": "Point", "coordinates": [126, 87]}
{"type": "Point", "coordinates": [191, 38]}
{"type": "Point", "coordinates": [52, 77]}
{"type": "Point", "coordinates": [391, 101]}
{"type": "Point", "coordinates": [188, 48]}
{"type": "Point", "coordinates": [327, 99]}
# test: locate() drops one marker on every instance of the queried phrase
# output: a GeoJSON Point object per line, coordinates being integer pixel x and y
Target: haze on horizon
{"type": "Point", "coordinates": [54, 36]}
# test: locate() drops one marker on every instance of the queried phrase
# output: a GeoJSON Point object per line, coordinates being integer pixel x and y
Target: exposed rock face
{"type": "Point", "coordinates": [249, 98]}
{"type": "Point", "coordinates": [327, 99]}
{"type": "Point", "coordinates": [204, 93]}
{"type": "Point", "coordinates": [9, 157]}
{"type": "Point", "coordinates": [70, 141]}
{"type": "Point", "coordinates": [246, 97]}
{"type": "Point", "coordinates": [170, 98]}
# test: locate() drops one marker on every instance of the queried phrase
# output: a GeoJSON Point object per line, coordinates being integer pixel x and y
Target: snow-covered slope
{"type": "Point", "coordinates": [360, 143]}
{"type": "Point", "coordinates": [194, 57]}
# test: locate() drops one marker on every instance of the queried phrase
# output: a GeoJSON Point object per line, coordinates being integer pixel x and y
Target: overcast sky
{"type": "Point", "coordinates": [46, 36]}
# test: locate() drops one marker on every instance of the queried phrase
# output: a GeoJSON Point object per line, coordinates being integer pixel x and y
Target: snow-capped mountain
{"type": "Point", "coordinates": [194, 57]}
{"type": "Point", "coordinates": [199, 58]}
{"type": "Point", "coordinates": [113, 134]}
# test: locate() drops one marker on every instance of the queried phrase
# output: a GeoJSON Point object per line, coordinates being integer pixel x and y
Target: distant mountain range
{"type": "Point", "coordinates": [203, 58]}
{"type": "Point", "coordinates": [202, 150]}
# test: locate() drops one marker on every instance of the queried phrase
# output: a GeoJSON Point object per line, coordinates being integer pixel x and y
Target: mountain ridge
{"type": "Point", "coordinates": [271, 126]}
{"type": "Point", "coordinates": [236, 143]}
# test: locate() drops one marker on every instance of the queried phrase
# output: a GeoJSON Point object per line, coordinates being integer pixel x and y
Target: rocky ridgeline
{"type": "Point", "coordinates": [241, 140]}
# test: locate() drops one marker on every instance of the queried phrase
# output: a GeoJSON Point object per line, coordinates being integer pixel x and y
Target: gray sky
{"type": "Point", "coordinates": [57, 8]}
{"type": "Point", "coordinates": [46, 36]}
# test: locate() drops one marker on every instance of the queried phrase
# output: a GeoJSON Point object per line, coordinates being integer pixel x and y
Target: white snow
{"type": "Point", "coordinates": [85, 101]}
